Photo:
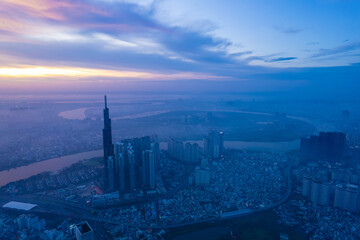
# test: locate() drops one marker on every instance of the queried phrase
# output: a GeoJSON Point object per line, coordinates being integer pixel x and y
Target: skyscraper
{"type": "Point", "coordinates": [132, 167]}
{"type": "Point", "coordinates": [111, 173]}
{"type": "Point", "coordinates": [148, 169]}
{"type": "Point", "coordinates": [155, 147]}
{"type": "Point", "coordinates": [107, 142]}
{"type": "Point", "coordinates": [191, 152]}
{"type": "Point", "coordinates": [328, 145]}
{"type": "Point", "coordinates": [120, 164]}
{"type": "Point", "coordinates": [214, 144]}
{"type": "Point", "coordinates": [176, 149]}
{"type": "Point", "coordinates": [347, 197]}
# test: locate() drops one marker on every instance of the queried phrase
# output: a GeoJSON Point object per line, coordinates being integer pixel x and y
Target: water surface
{"type": "Point", "coordinates": [50, 165]}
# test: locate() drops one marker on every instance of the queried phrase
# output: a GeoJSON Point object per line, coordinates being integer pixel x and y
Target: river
{"type": "Point", "coordinates": [55, 164]}
{"type": "Point", "coordinates": [50, 165]}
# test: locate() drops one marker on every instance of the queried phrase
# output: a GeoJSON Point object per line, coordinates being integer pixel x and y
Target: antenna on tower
{"type": "Point", "coordinates": [105, 101]}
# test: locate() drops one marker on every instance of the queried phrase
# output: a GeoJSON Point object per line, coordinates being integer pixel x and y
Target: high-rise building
{"type": "Point", "coordinates": [328, 145]}
{"type": "Point", "coordinates": [125, 168]}
{"type": "Point", "coordinates": [176, 149]}
{"type": "Point", "coordinates": [131, 167]}
{"type": "Point", "coordinates": [149, 179]}
{"type": "Point", "coordinates": [317, 191]}
{"type": "Point", "coordinates": [188, 152]}
{"type": "Point", "coordinates": [191, 153]}
{"type": "Point", "coordinates": [347, 197]}
{"type": "Point", "coordinates": [120, 166]}
{"type": "Point", "coordinates": [111, 173]}
{"type": "Point", "coordinates": [155, 147]}
{"type": "Point", "coordinates": [83, 231]}
{"type": "Point", "coordinates": [306, 189]}
{"type": "Point", "coordinates": [221, 143]}
{"type": "Point", "coordinates": [107, 142]}
{"type": "Point", "coordinates": [133, 159]}
{"type": "Point", "coordinates": [214, 144]}
{"type": "Point", "coordinates": [320, 192]}
{"type": "Point", "coordinates": [195, 153]}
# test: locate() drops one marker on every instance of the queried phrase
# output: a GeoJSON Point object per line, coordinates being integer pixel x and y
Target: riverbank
{"type": "Point", "coordinates": [50, 165]}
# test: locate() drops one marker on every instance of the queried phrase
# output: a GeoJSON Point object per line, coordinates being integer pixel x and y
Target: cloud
{"type": "Point", "coordinates": [281, 59]}
{"type": "Point", "coordinates": [287, 30]}
{"type": "Point", "coordinates": [71, 72]}
{"type": "Point", "coordinates": [115, 34]}
{"type": "Point", "coordinates": [337, 50]}
{"type": "Point", "coordinates": [142, 3]}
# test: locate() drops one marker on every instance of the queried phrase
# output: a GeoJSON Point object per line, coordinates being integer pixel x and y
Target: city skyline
{"type": "Point", "coordinates": [179, 119]}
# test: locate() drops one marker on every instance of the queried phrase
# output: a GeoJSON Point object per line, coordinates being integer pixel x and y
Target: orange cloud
{"type": "Point", "coordinates": [38, 8]}
{"type": "Point", "coordinates": [47, 8]}
{"type": "Point", "coordinates": [37, 72]}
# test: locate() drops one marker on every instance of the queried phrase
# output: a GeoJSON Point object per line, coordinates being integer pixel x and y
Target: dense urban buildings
{"type": "Point", "coordinates": [226, 120]}
{"type": "Point", "coordinates": [327, 145]}
{"type": "Point", "coordinates": [136, 162]}
{"type": "Point", "coordinates": [332, 187]}
{"type": "Point", "coordinates": [149, 188]}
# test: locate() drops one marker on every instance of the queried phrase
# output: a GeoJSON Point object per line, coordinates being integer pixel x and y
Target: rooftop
{"type": "Point", "coordinates": [19, 205]}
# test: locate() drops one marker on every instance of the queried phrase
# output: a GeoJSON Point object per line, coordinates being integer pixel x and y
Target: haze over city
{"type": "Point", "coordinates": [179, 119]}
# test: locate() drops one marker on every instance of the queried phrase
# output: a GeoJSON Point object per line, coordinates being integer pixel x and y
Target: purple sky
{"type": "Point", "coordinates": [180, 45]}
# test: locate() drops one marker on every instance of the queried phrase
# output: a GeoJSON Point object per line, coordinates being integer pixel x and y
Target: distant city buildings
{"type": "Point", "coordinates": [306, 187]}
{"type": "Point", "coordinates": [214, 144]}
{"type": "Point", "coordinates": [191, 153]}
{"type": "Point", "coordinates": [328, 145]}
{"type": "Point", "coordinates": [213, 148]}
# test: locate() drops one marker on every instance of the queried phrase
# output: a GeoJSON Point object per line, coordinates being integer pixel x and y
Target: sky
{"type": "Point", "coordinates": [311, 46]}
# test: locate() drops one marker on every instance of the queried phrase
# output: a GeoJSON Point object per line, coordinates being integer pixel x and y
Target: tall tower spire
{"type": "Point", "coordinates": [107, 143]}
